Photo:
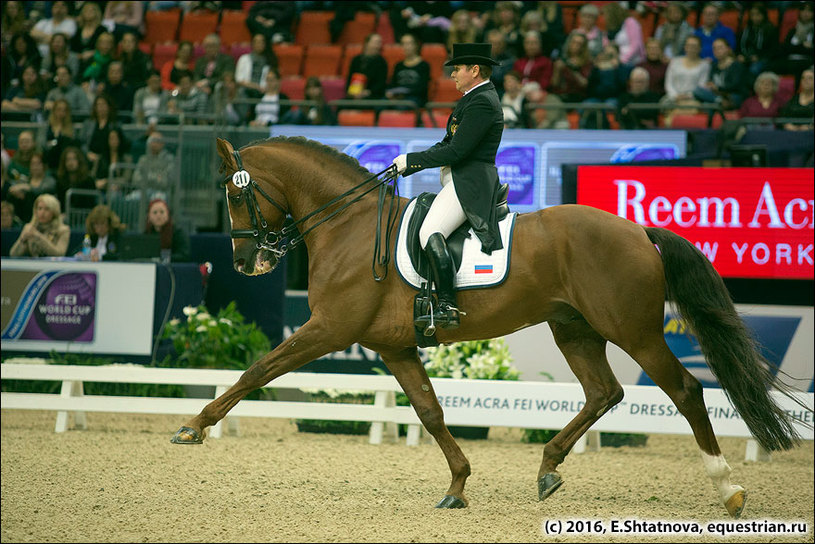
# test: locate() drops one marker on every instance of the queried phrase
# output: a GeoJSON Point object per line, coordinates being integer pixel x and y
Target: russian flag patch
{"type": "Point", "coordinates": [483, 269]}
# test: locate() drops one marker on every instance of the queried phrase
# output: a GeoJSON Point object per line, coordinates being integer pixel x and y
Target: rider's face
{"type": "Point", "coordinates": [464, 77]}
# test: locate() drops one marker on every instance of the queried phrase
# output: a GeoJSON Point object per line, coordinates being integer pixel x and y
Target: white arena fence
{"type": "Point", "coordinates": [490, 403]}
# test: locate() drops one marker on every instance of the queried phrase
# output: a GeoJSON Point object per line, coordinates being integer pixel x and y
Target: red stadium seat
{"type": "Point", "coordinates": [197, 25]}
{"type": "Point", "coordinates": [322, 60]}
{"type": "Point", "coordinates": [786, 88]}
{"type": "Point", "coordinates": [312, 29]}
{"type": "Point", "coordinates": [356, 118]}
{"type": "Point", "coordinates": [385, 29]}
{"type": "Point", "coordinates": [289, 59]}
{"type": "Point", "coordinates": [396, 118]}
{"type": "Point", "coordinates": [333, 88]}
{"type": "Point", "coordinates": [393, 54]}
{"type": "Point", "coordinates": [436, 55]}
{"type": "Point", "coordinates": [355, 30]}
{"type": "Point", "coordinates": [435, 119]}
{"type": "Point", "coordinates": [730, 19]}
{"type": "Point", "coordinates": [690, 120]}
{"type": "Point", "coordinates": [233, 27]}
{"type": "Point", "coordinates": [146, 48]}
{"type": "Point", "coordinates": [161, 26]}
{"type": "Point", "coordinates": [444, 90]}
{"type": "Point", "coordinates": [162, 53]}
{"type": "Point", "coordinates": [237, 50]}
{"type": "Point", "coordinates": [293, 87]}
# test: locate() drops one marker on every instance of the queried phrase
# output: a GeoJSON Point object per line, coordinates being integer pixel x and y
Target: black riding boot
{"type": "Point", "coordinates": [446, 315]}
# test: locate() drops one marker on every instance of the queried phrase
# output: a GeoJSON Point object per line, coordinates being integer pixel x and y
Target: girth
{"type": "Point", "coordinates": [455, 242]}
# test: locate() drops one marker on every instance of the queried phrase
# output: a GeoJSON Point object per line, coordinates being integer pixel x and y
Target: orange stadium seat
{"type": "Point", "coordinates": [322, 60]}
{"type": "Point", "coordinates": [162, 53]}
{"type": "Point", "coordinates": [385, 29]}
{"type": "Point", "coordinates": [444, 90]}
{"type": "Point", "coordinates": [690, 120]}
{"type": "Point", "coordinates": [435, 119]}
{"type": "Point", "coordinates": [293, 87]}
{"type": "Point", "coordinates": [730, 19]}
{"type": "Point", "coordinates": [289, 58]}
{"type": "Point", "coordinates": [161, 26]}
{"type": "Point", "coordinates": [313, 28]}
{"type": "Point", "coordinates": [436, 55]}
{"type": "Point", "coordinates": [355, 30]}
{"type": "Point", "coordinates": [393, 54]}
{"type": "Point", "coordinates": [396, 118]}
{"type": "Point", "coordinates": [350, 51]}
{"type": "Point", "coordinates": [197, 25]}
{"type": "Point", "coordinates": [233, 27]}
{"type": "Point", "coordinates": [146, 48]}
{"type": "Point", "coordinates": [356, 118]}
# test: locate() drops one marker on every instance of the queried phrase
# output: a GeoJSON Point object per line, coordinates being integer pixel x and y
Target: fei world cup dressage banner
{"type": "Point", "coordinates": [77, 306]}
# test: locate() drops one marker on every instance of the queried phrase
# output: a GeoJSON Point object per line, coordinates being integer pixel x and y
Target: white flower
{"type": "Point", "coordinates": [201, 328]}
{"type": "Point", "coordinates": [190, 310]}
{"type": "Point", "coordinates": [225, 321]}
{"type": "Point", "coordinates": [203, 316]}
{"type": "Point", "coordinates": [174, 322]}
{"type": "Point", "coordinates": [212, 323]}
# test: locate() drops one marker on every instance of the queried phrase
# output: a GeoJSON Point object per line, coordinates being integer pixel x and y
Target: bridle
{"type": "Point", "coordinates": [273, 240]}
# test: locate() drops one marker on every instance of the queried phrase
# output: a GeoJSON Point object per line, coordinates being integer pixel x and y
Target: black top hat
{"type": "Point", "coordinates": [472, 53]}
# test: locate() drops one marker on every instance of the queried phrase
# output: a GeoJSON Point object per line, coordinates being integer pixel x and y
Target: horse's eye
{"type": "Point", "coordinates": [235, 199]}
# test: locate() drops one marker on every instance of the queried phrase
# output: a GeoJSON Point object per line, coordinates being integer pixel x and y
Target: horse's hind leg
{"type": "Point", "coordinates": [407, 368]}
{"type": "Point", "coordinates": [585, 351]}
{"type": "Point", "coordinates": [662, 366]}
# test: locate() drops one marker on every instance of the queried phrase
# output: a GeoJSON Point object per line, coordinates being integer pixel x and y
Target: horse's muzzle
{"type": "Point", "coordinates": [259, 262]}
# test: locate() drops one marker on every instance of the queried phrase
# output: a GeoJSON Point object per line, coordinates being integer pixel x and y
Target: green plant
{"type": "Point", "coordinates": [475, 360]}
{"type": "Point", "coordinates": [220, 341]}
{"type": "Point", "coordinates": [336, 426]}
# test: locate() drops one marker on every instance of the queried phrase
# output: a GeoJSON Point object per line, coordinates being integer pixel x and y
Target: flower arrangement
{"type": "Point", "coordinates": [475, 360]}
{"type": "Point", "coordinates": [220, 341]}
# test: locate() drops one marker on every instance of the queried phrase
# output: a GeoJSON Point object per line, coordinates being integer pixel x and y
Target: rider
{"type": "Point", "coordinates": [468, 176]}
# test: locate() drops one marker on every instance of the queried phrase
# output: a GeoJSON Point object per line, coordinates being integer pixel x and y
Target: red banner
{"type": "Point", "coordinates": [750, 222]}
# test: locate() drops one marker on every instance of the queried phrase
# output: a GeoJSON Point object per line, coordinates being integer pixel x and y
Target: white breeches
{"type": "Point", "coordinates": [445, 215]}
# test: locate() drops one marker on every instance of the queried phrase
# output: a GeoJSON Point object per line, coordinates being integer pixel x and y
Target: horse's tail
{"type": "Point", "coordinates": [704, 303]}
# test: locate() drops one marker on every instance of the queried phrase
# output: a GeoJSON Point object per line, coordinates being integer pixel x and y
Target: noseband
{"type": "Point", "coordinates": [271, 240]}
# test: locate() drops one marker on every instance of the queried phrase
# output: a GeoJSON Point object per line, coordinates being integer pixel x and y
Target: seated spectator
{"type": "Point", "coordinates": [104, 228]}
{"type": "Point", "coordinates": [27, 97]}
{"type": "Point", "coordinates": [150, 101]}
{"type": "Point", "coordinates": [711, 28]}
{"type": "Point", "coordinates": [684, 74]}
{"type": "Point", "coordinates": [674, 31]}
{"type": "Point", "coordinates": [116, 152]}
{"type": "Point", "coordinates": [727, 83]}
{"type": "Point", "coordinates": [638, 92]}
{"type": "Point", "coordinates": [137, 64]}
{"type": "Point", "coordinates": [95, 68]}
{"type": "Point", "coordinates": [60, 22]}
{"type": "Point", "coordinates": [626, 32]}
{"type": "Point", "coordinates": [368, 72]}
{"type": "Point", "coordinates": [73, 173]}
{"type": "Point", "coordinates": [758, 41]}
{"type": "Point", "coordinates": [188, 100]}
{"type": "Point", "coordinates": [273, 20]}
{"type": "Point", "coordinates": [59, 133]}
{"type": "Point", "coordinates": [655, 65]}
{"type": "Point", "coordinates": [587, 25]}
{"type": "Point", "coordinates": [502, 55]}
{"type": "Point", "coordinates": [175, 243]}
{"type": "Point", "coordinates": [68, 91]}
{"type": "Point", "coordinates": [124, 17]}
{"type": "Point", "coordinates": [39, 181]}
{"type": "Point", "coordinates": [59, 54]}
{"type": "Point", "coordinates": [95, 129]}
{"type": "Point", "coordinates": [8, 219]}
{"type": "Point", "coordinates": [506, 17]}
{"type": "Point", "coordinates": [114, 85]}
{"type": "Point", "coordinates": [535, 69]}
{"type": "Point", "coordinates": [411, 76]}
{"type": "Point", "coordinates": [252, 67]}
{"type": "Point", "coordinates": [45, 235]}
{"type": "Point", "coordinates": [800, 106]}
{"type": "Point", "coordinates": [211, 67]}
{"type": "Point", "coordinates": [89, 28]}
{"type": "Point", "coordinates": [765, 103]}
{"type": "Point", "coordinates": [795, 53]}
{"type": "Point", "coordinates": [23, 52]}
{"type": "Point", "coordinates": [607, 81]}
{"type": "Point", "coordinates": [172, 69]}
{"type": "Point", "coordinates": [513, 102]}
{"type": "Point", "coordinates": [570, 75]}
{"type": "Point", "coordinates": [14, 21]}
{"type": "Point", "coordinates": [462, 29]}
{"type": "Point", "coordinates": [269, 111]}
{"type": "Point", "coordinates": [155, 171]}
{"type": "Point", "coordinates": [18, 167]}
{"type": "Point", "coordinates": [226, 101]}
{"type": "Point", "coordinates": [320, 114]}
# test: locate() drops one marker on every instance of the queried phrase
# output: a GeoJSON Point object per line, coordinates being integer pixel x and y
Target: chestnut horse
{"type": "Point", "coordinates": [593, 276]}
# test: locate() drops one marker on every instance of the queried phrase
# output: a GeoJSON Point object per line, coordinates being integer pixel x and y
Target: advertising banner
{"type": "Point", "coordinates": [77, 306]}
{"type": "Point", "coordinates": [528, 160]}
{"type": "Point", "coordinates": [749, 222]}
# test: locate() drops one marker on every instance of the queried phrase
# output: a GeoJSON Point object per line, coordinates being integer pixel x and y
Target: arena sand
{"type": "Point", "coordinates": [122, 481]}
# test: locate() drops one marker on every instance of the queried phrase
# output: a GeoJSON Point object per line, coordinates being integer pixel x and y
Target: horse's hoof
{"type": "Point", "coordinates": [451, 501]}
{"type": "Point", "coordinates": [187, 435]}
{"type": "Point", "coordinates": [548, 484]}
{"type": "Point", "coordinates": [735, 504]}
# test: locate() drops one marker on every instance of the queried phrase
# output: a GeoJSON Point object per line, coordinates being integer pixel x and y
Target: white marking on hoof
{"type": "Point", "coordinates": [719, 472]}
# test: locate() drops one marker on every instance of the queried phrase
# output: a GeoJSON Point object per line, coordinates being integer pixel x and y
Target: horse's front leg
{"type": "Point", "coordinates": [407, 368]}
{"type": "Point", "coordinates": [305, 345]}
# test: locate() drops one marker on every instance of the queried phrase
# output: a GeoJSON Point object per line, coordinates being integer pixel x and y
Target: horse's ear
{"type": "Point", "coordinates": [225, 150]}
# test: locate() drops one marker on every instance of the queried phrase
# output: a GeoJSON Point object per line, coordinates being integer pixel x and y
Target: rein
{"type": "Point", "coordinates": [271, 240]}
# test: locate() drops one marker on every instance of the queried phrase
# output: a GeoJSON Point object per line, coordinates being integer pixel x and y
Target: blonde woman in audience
{"type": "Point", "coordinates": [45, 235]}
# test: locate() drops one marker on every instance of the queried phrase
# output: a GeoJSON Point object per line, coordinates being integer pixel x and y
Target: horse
{"type": "Point", "coordinates": [592, 276]}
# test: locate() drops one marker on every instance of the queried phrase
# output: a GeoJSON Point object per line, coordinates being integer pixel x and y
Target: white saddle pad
{"type": "Point", "coordinates": [477, 268]}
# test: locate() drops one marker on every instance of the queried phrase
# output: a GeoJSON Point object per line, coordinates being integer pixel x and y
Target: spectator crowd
{"type": "Point", "coordinates": [80, 70]}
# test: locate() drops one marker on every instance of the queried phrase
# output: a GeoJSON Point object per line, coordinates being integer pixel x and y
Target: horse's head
{"type": "Point", "coordinates": [256, 214]}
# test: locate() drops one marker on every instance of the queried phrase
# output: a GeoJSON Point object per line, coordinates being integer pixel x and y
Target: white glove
{"type": "Point", "coordinates": [401, 163]}
{"type": "Point", "coordinates": [445, 175]}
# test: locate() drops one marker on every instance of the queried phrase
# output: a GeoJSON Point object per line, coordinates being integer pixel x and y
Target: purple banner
{"type": "Point", "coordinates": [65, 310]}
{"type": "Point", "coordinates": [516, 166]}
